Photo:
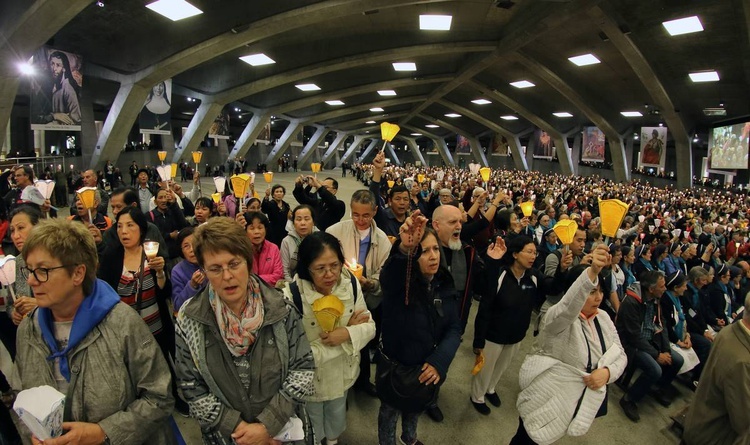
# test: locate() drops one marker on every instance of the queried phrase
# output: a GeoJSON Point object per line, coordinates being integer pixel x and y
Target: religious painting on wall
{"type": "Point", "coordinates": [55, 90]}
{"type": "Point", "coordinates": [593, 145]}
{"type": "Point", "coordinates": [220, 127]}
{"type": "Point", "coordinates": [544, 146]}
{"type": "Point", "coordinates": [156, 114]}
{"type": "Point", "coordinates": [462, 144]}
{"type": "Point", "coordinates": [653, 146]}
{"type": "Point", "coordinates": [499, 145]}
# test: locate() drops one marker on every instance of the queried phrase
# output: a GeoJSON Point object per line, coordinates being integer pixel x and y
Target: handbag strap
{"type": "Point", "coordinates": [588, 346]}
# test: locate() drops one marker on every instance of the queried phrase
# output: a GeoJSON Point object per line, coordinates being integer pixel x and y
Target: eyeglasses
{"type": "Point", "coordinates": [531, 252]}
{"type": "Point", "coordinates": [41, 274]}
{"type": "Point", "coordinates": [321, 271]}
{"type": "Point", "coordinates": [232, 267]}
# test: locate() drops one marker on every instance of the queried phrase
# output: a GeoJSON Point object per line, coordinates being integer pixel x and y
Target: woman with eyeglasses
{"type": "Point", "coordinates": [243, 361]}
{"type": "Point", "coordinates": [303, 220]}
{"type": "Point", "coordinates": [514, 289]}
{"type": "Point", "coordinates": [320, 273]}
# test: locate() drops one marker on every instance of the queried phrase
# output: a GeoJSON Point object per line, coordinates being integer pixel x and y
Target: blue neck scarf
{"type": "Point", "coordinates": [728, 307]}
{"type": "Point", "coordinates": [646, 263]}
{"type": "Point", "coordinates": [90, 313]}
{"type": "Point", "coordinates": [679, 327]}
{"type": "Point", "coordinates": [695, 298]}
{"type": "Point", "coordinates": [550, 247]}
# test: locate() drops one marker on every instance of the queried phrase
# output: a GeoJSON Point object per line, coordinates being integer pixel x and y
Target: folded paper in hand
{"type": "Point", "coordinates": [41, 410]}
{"type": "Point", "coordinates": [292, 431]}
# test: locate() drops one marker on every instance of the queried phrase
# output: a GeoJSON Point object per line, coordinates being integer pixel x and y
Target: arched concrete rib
{"type": "Point", "coordinates": [285, 140]}
{"type": "Point", "coordinates": [371, 146]}
{"type": "Point", "coordinates": [24, 34]}
{"type": "Point", "coordinates": [312, 144]}
{"type": "Point", "coordinates": [561, 143]}
{"type": "Point", "coordinates": [358, 139]}
{"type": "Point", "coordinates": [617, 148]}
{"type": "Point", "coordinates": [359, 122]}
{"type": "Point", "coordinates": [513, 141]}
{"type": "Point", "coordinates": [438, 141]}
{"type": "Point", "coordinates": [603, 16]}
{"type": "Point", "coordinates": [476, 151]}
{"type": "Point", "coordinates": [340, 112]}
{"type": "Point", "coordinates": [250, 133]}
{"type": "Point", "coordinates": [534, 19]}
{"type": "Point", "coordinates": [349, 92]}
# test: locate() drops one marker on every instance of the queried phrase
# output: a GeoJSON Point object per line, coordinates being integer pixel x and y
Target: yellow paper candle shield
{"type": "Point", "coordinates": [315, 167]}
{"type": "Point", "coordinates": [328, 311]}
{"type": "Point", "coordinates": [216, 197]}
{"type": "Point", "coordinates": [197, 155]}
{"type": "Point", "coordinates": [162, 155]}
{"type": "Point", "coordinates": [390, 184]}
{"type": "Point", "coordinates": [87, 195]}
{"type": "Point", "coordinates": [566, 230]}
{"type": "Point", "coordinates": [485, 173]}
{"type": "Point", "coordinates": [239, 184]}
{"type": "Point", "coordinates": [612, 212]}
{"type": "Point", "coordinates": [268, 177]}
{"type": "Point", "coordinates": [388, 131]}
{"type": "Point", "coordinates": [527, 208]}
{"type": "Point", "coordinates": [174, 170]}
{"type": "Point", "coordinates": [420, 178]}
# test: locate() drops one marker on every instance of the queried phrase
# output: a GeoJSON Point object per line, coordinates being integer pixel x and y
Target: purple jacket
{"type": "Point", "coordinates": [267, 263]}
{"type": "Point", "coordinates": [181, 288]}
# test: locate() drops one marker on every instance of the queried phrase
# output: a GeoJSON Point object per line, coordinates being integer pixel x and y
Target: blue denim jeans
{"type": "Point", "coordinates": [387, 423]}
{"type": "Point", "coordinates": [652, 373]}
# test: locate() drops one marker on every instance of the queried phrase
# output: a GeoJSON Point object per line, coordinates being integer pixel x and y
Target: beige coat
{"type": "Point", "coordinates": [720, 413]}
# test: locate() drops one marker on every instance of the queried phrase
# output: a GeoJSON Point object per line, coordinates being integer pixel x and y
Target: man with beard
{"type": "Point", "coordinates": [91, 179]}
{"type": "Point", "coordinates": [65, 108]}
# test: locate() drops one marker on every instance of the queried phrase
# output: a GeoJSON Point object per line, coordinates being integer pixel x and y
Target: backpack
{"type": "Point", "coordinates": [297, 296]}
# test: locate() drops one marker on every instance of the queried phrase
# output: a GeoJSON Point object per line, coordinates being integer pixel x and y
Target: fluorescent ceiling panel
{"type": "Point", "coordinates": [509, 118]}
{"type": "Point", "coordinates": [563, 114]}
{"type": "Point", "coordinates": [257, 59]}
{"type": "Point", "coordinates": [631, 113]}
{"type": "Point", "coordinates": [404, 66]}
{"type": "Point", "coordinates": [522, 84]}
{"type": "Point", "coordinates": [416, 134]}
{"type": "Point", "coordinates": [308, 87]}
{"type": "Point", "coordinates": [387, 92]}
{"type": "Point", "coordinates": [481, 101]}
{"type": "Point", "coordinates": [452, 115]}
{"type": "Point", "coordinates": [376, 110]}
{"type": "Point", "coordinates": [435, 22]}
{"type": "Point", "coordinates": [432, 126]}
{"type": "Point", "coordinates": [685, 25]}
{"type": "Point", "coordinates": [370, 122]}
{"type": "Point", "coordinates": [584, 59]}
{"type": "Point", "coordinates": [334, 102]}
{"type": "Point", "coordinates": [174, 9]}
{"type": "Point", "coordinates": [705, 76]}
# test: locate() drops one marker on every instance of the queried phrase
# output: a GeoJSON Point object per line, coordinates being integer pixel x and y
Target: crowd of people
{"type": "Point", "coordinates": [256, 317]}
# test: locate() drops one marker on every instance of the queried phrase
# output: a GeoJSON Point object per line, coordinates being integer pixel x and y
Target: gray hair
{"type": "Point", "coordinates": [649, 278]}
{"type": "Point", "coordinates": [696, 273]}
{"type": "Point", "coordinates": [364, 196]}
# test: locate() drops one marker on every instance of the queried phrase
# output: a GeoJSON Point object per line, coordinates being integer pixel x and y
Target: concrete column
{"type": "Point", "coordinates": [352, 149]}
{"type": "Point", "coordinates": [477, 152]}
{"type": "Point", "coordinates": [392, 154]}
{"type": "Point", "coordinates": [286, 138]}
{"type": "Point", "coordinates": [9, 83]}
{"type": "Point", "coordinates": [563, 155]}
{"type": "Point", "coordinates": [373, 143]}
{"type": "Point", "coordinates": [312, 145]}
{"type": "Point", "coordinates": [415, 150]}
{"type": "Point", "coordinates": [88, 133]}
{"type": "Point", "coordinates": [684, 166]}
{"type": "Point", "coordinates": [442, 148]}
{"type": "Point", "coordinates": [629, 145]}
{"type": "Point", "coordinates": [39, 140]}
{"type": "Point", "coordinates": [197, 129]}
{"type": "Point", "coordinates": [6, 140]}
{"type": "Point", "coordinates": [122, 114]}
{"type": "Point", "coordinates": [250, 133]}
{"type": "Point", "coordinates": [620, 164]}
{"type": "Point", "coordinates": [167, 143]}
{"type": "Point", "coordinates": [530, 152]}
{"type": "Point", "coordinates": [519, 161]}
{"type": "Point", "coordinates": [575, 153]}
{"type": "Point", "coordinates": [340, 138]}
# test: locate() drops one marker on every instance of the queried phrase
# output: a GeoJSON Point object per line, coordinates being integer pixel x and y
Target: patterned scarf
{"type": "Point", "coordinates": [239, 332]}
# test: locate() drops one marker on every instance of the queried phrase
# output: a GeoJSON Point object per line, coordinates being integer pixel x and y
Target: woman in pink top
{"type": "Point", "coordinates": [266, 256]}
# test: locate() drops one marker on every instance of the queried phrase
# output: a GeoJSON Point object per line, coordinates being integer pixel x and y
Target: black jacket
{"type": "Point", "coordinates": [694, 313]}
{"type": "Point", "coordinates": [630, 320]}
{"type": "Point", "coordinates": [427, 330]}
{"type": "Point", "coordinates": [328, 209]}
{"type": "Point", "coordinates": [168, 222]}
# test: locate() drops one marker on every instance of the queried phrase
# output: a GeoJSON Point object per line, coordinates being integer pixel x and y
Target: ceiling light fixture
{"type": "Point", "coordinates": [704, 76]}
{"type": "Point", "coordinates": [631, 113]}
{"type": "Point", "coordinates": [452, 115]}
{"type": "Point", "coordinates": [481, 101]}
{"type": "Point", "coordinates": [174, 9]}
{"type": "Point", "coordinates": [387, 92]}
{"type": "Point", "coordinates": [404, 66]}
{"type": "Point", "coordinates": [370, 122]}
{"type": "Point", "coordinates": [522, 84]}
{"type": "Point", "coordinates": [257, 59]}
{"type": "Point", "coordinates": [376, 110]}
{"type": "Point", "coordinates": [685, 25]}
{"type": "Point", "coordinates": [416, 134]}
{"type": "Point", "coordinates": [509, 117]}
{"type": "Point", "coordinates": [562, 114]}
{"type": "Point", "coordinates": [308, 87]}
{"type": "Point", "coordinates": [435, 22]}
{"type": "Point", "coordinates": [432, 126]}
{"type": "Point", "coordinates": [585, 59]}
{"type": "Point", "coordinates": [334, 102]}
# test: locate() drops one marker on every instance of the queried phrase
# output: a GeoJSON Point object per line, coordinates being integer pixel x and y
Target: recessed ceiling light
{"type": "Point", "coordinates": [683, 26]}
{"type": "Point", "coordinates": [522, 84]}
{"type": "Point", "coordinates": [631, 113]}
{"type": "Point", "coordinates": [387, 93]}
{"type": "Point", "coordinates": [416, 134]}
{"type": "Point", "coordinates": [308, 87]}
{"type": "Point", "coordinates": [452, 115]}
{"type": "Point", "coordinates": [585, 59]}
{"type": "Point", "coordinates": [376, 110]}
{"type": "Point", "coordinates": [174, 9]}
{"type": "Point", "coordinates": [370, 122]}
{"type": "Point", "coordinates": [257, 59]}
{"type": "Point", "coordinates": [563, 114]}
{"type": "Point", "coordinates": [705, 76]}
{"type": "Point", "coordinates": [509, 118]}
{"type": "Point", "coordinates": [404, 66]}
{"type": "Point", "coordinates": [334, 102]}
{"type": "Point", "coordinates": [432, 126]}
{"type": "Point", "coordinates": [435, 22]}
{"type": "Point", "coordinates": [481, 101]}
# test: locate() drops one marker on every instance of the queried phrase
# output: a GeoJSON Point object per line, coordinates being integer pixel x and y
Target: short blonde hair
{"type": "Point", "coordinates": [68, 241]}
{"type": "Point", "coordinates": [222, 235]}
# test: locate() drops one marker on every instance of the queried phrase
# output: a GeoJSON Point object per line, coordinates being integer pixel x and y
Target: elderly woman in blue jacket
{"type": "Point", "coordinates": [420, 320]}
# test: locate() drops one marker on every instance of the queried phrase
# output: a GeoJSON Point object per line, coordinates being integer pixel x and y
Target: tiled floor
{"type": "Point", "coordinates": [462, 424]}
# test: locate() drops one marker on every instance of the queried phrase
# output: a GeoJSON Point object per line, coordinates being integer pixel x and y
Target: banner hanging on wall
{"type": "Point", "coordinates": [220, 128]}
{"type": "Point", "coordinates": [653, 147]}
{"type": "Point", "coordinates": [499, 145]}
{"type": "Point", "coordinates": [462, 144]}
{"type": "Point", "coordinates": [544, 146]}
{"type": "Point", "coordinates": [593, 145]}
{"type": "Point", "coordinates": [156, 114]}
{"type": "Point", "coordinates": [55, 90]}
